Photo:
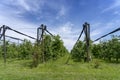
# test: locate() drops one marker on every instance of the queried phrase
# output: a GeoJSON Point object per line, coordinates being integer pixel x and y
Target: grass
{"type": "Point", "coordinates": [58, 70]}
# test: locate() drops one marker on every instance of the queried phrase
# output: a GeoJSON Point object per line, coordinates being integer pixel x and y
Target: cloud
{"type": "Point", "coordinates": [33, 6]}
{"type": "Point", "coordinates": [66, 31]}
{"type": "Point", "coordinates": [19, 25]}
{"type": "Point", "coordinates": [23, 4]}
{"type": "Point", "coordinates": [13, 12]}
{"type": "Point", "coordinates": [99, 29]}
{"type": "Point", "coordinates": [21, 8]}
{"type": "Point", "coordinates": [68, 34]}
{"type": "Point", "coordinates": [39, 8]}
{"type": "Point", "coordinates": [117, 12]}
{"type": "Point", "coordinates": [61, 12]}
{"type": "Point", "coordinates": [28, 5]}
{"type": "Point", "coordinates": [95, 32]}
{"type": "Point", "coordinates": [114, 5]}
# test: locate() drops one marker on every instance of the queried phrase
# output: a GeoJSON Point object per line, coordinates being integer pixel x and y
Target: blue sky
{"type": "Point", "coordinates": [63, 17]}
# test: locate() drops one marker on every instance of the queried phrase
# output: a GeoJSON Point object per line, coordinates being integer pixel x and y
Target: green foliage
{"type": "Point", "coordinates": [96, 64]}
{"type": "Point", "coordinates": [51, 47]}
{"type": "Point", "coordinates": [78, 51]}
{"type": "Point", "coordinates": [58, 49]}
{"type": "Point", "coordinates": [26, 50]}
{"type": "Point", "coordinates": [96, 50]}
{"type": "Point", "coordinates": [36, 56]}
{"type": "Point", "coordinates": [21, 51]}
{"type": "Point", "coordinates": [46, 47]}
{"type": "Point", "coordinates": [57, 70]}
{"type": "Point", "coordinates": [12, 51]}
{"type": "Point", "coordinates": [1, 52]}
{"type": "Point", "coordinates": [108, 50]}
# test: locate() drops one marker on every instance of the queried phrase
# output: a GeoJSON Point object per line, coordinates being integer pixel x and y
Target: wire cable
{"type": "Point", "coordinates": [107, 34]}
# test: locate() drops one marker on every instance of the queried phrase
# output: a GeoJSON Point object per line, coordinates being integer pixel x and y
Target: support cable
{"type": "Point", "coordinates": [80, 35]}
{"type": "Point", "coordinates": [107, 34]}
{"type": "Point", "coordinates": [13, 37]}
{"type": "Point", "coordinates": [20, 33]}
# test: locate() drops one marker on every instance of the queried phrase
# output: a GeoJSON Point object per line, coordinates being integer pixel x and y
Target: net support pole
{"type": "Point", "coordinates": [86, 27]}
{"type": "Point", "coordinates": [4, 43]}
{"type": "Point", "coordinates": [40, 39]}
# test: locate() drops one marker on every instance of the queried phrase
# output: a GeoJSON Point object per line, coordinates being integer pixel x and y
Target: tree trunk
{"type": "Point", "coordinates": [116, 59]}
{"type": "Point", "coordinates": [109, 59]}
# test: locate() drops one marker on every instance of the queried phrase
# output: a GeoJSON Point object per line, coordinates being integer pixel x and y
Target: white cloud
{"type": "Point", "coordinates": [114, 5]}
{"type": "Point", "coordinates": [95, 32]}
{"type": "Point", "coordinates": [36, 7]}
{"type": "Point", "coordinates": [29, 5]}
{"type": "Point", "coordinates": [24, 5]}
{"type": "Point", "coordinates": [117, 12]}
{"type": "Point", "coordinates": [61, 12]}
{"type": "Point", "coordinates": [11, 17]}
{"type": "Point", "coordinates": [67, 31]}
{"type": "Point", "coordinates": [68, 34]}
{"type": "Point", "coordinates": [19, 25]}
{"type": "Point", "coordinates": [19, 7]}
{"type": "Point", "coordinates": [99, 29]}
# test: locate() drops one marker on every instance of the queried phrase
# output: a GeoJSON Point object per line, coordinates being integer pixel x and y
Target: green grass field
{"type": "Point", "coordinates": [58, 70]}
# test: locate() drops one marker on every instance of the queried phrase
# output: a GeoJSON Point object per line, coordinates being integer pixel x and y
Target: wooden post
{"type": "Point", "coordinates": [88, 43]}
{"type": "Point", "coordinates": [42, 40]}
{"type": "Point", "coordinates": [87, 38]}
{"type": "Point", "coordinates": [4, 43]}
{"type": "Point", "coordinates": [40, 34]}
